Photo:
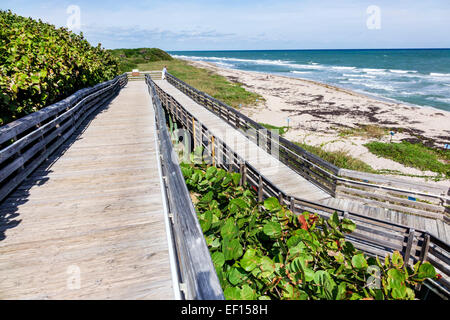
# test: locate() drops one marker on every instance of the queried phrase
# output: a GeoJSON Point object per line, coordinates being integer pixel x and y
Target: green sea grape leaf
{"type": "Point", "coordinates": [247, 293]}
{"type": "Point", "coordinates": [232, 293]}
{"type": "Point", "coordinates": [232, 249]}
{"type": "Point", "coordinates": [426, 270]}
{"type": "Point", "coordinates": [272, 204]}
{"type": "Point", "coordinates": [359, 261]}
{"type": "Point", "coordinates": [267, 267]}
{"type": "Point", "coordinates": [239, 203]}
{"type": "Point", "coordinates": [272, 229]}
{"type": "Point", "coordinates": [397, 259]}
{"type": "Point", "coordinates": [250, 260]}
{"type": "Point", "coordinates": [206, 222]}
{"type": "Point", "coordinates": [348, 225]}
{"type": "Point", "coordinates": [237, 276]}
{"type": "Point", "coordinates": [229, 229]}
{"type": "Point", "coordinates": [218, 259]}
{"type": "Point", "coordinates": [236, 177]}
{"type": "Point", "coordinates": [293, 241]}
{"type": "Point", "coordinates": [210, 172]}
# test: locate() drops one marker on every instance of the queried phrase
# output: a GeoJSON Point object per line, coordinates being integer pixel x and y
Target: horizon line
{"type": "Point", "coordinates": [212, 50]}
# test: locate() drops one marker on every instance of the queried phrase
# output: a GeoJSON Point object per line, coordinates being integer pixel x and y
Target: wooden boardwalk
{"type": "Point", "coordinates": [288, 180]}
{"type": "Point", "coordinates": [278, 173]}
{"type": "Point", "coordinates": [89, 223]}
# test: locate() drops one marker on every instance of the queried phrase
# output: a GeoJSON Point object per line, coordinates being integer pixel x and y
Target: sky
{"type": "Point", "coordinates": [248, 25]}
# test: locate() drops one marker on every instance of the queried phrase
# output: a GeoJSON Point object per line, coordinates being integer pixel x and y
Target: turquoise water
{"type": "Point", "coordinates": [415, 76]}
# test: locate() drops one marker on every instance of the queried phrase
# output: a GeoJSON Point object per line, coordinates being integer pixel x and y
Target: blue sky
{"type": "Point", "coordinates": [261, 24]}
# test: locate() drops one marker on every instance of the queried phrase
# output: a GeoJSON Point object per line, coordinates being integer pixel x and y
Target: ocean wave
{"type": "Point", "coordinates": [343, 68]}
{"type": "Point", "coordinates": [445, 100]}
{"type": "Point", "coordinates": [379, 86]}
{"type": "Point", "coordinates": [373, 70]}
{"type": "Point", "coordinates": [224, 64]}
{"type": "Point", "coordinates": [284, 63]}
{"type": "Point", "coordinates": [359, 75]}
{"type": "Point", "coordinates": [402, 71]}
{"type": "Point", "coordinates": [409, 84]}
{"type": "Point", "coordinates": [357, 79]}
{"type": "Point", "coordinates": [436, 74]}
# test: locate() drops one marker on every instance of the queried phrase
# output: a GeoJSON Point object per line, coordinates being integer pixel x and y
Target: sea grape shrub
{"type": "Point", "coordinates": [41, 64]}
{"type": "Point", "coordinates": [264, 251]}
{"type": "Point", "coordinates": [131, 58]}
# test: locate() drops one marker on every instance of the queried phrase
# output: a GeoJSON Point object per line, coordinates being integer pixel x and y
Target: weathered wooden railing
{"type": "Point", "coordinates": [198, 276]}
{"type": "Point", "coordinates": [401, 195]}
{"type": "Point", "coordinates": [140, 75]}
{"type": "Point", "coordinates": [27, 142]}
{"type": "Point", "coordinates": [373, 236]}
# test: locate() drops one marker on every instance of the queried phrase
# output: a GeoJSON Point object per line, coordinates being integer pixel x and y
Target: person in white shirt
{"type": "Point", "coordinates": [164, 71]}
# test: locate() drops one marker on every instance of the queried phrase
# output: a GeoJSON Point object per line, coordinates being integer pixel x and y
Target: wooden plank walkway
{"type": "Point", "coordinates": [288, 180]}
{"type": "Point", "coordinates": [277, 172]}
{"type": "Point", "coordinates": [94, 209]}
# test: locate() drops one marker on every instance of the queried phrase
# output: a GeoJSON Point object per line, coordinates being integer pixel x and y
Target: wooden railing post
{"type": "Point", "coordinates": [409, 245]}
{"type": "Point", "coordinates": [280, 198]}
{"type": "Point", "coordinates": [213, 151]}
{"type": "Point", "coordinates": [425, 248]}
{"type": "Point", "coordinates": [260, 189]}
{"type": "Point", "coordinates": [292, 204]}
{"type": "Point", "coordinates": [193, 133]}
{"type": "Point", "coordinates": [242, 171]}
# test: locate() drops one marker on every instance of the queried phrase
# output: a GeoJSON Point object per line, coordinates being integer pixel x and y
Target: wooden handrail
{"type": "Point", "coordinates": [27, 142]}
{"type": "Point", "coordinates": [196, 267]}
{"type": "Point", "coordinates": [372, 236]}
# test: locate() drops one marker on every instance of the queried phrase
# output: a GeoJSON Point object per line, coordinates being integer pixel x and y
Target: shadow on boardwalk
{"type": "Point", "coordinates": [9, 216]}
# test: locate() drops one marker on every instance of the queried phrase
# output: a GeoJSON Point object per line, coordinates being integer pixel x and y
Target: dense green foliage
{"type": "Point", "coordinates": [131, 58]}
{"type": "Point", "coordinates": [413, 155]}
{"type": "Point", "coordinates": [41, 64]}
{"type": "Point", "coordinates": [264, 251]}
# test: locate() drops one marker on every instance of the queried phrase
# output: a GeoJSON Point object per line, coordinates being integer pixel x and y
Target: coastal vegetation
{"type": "Point", "coordinates": [339, 158]}
{"type": "Point", "coordinates": [281, 130]}
{"type": "Point", "coordinates": [414, 155]}
{"type": "Point", "coordinates": [41, 64]}
{"type": "Point", "coordinates": [264, 251]}
{"type": "Point", "coordinates": [207, 81]}
{"type": "Point", "coordinates": [366, 131]}
{"type": "Point", "coordinates": [130, 59]}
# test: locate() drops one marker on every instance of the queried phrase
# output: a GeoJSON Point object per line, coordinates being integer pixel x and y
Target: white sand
{"type": "Point", "coordinates": [317, 112]}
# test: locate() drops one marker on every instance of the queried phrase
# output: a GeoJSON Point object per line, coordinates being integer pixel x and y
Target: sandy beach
{"type": "Point", "coordinates": [321, 114]}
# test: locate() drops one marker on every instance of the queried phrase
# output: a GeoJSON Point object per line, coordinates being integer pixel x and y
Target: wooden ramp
{"type": "Point", "coordinates": [277, 172]}
{"type": "Point", "coordinates": [89, 223]}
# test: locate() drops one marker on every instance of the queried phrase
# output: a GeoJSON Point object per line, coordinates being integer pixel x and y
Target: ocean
{"type": "Point", "coordinates": [414, 76]}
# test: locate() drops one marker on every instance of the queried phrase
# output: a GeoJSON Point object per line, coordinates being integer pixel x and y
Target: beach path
{"type": "Point", "coordinates": [275, 171]}
{"type": "Point", "coordinates": [89, 223]}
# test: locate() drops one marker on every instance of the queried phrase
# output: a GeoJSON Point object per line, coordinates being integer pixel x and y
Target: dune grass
{"type": "Point", "coordinates": [207, 81]}
{"type": "Point", "coordinates": [365, 130]}
{"type": "Point", "coordinates": [281, 130]}
{"type": "Point", "coordinates": [339, 158]}
{"type": "Point", "coordinates": [413, 155]}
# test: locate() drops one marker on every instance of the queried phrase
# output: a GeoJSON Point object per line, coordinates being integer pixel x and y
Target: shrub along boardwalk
{"type": "Point", "coordinates": [93, 210]}
{"type": "Point", "coordinates": [288, 180]}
